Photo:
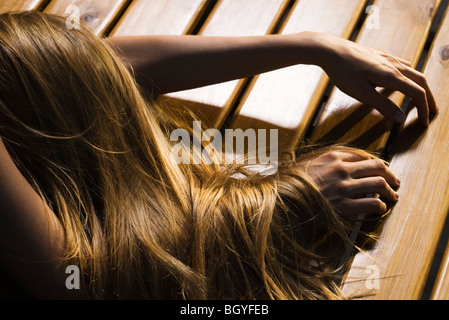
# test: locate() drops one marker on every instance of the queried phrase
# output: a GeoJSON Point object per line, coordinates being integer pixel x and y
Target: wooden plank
{"type": "Point", "coordinates": [230, 18]}
{"type": "Point", "coordinates": [19, 5]}
{"type": "Point", "coordinates": [441, 288]}
{"type": "Point", "coordinates": [160, 17]}
{"type": "Point", "coordinates": [96, 15]}
{"type": "Point", "coordinates": [400, 260]}
{"type": "Point", "coordinates": [438, 68]}
{"type": "Point", "coordinates": [287, 99]}
{"type": "Point", "coordinates": [402, 30]}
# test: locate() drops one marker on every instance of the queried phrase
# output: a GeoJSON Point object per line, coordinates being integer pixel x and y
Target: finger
{"type": "Point", "coordinates": [419, 78]}
{"type": "Point", "coordinates": [414, 91]}
{"type": "Point", "coordinates": [352, 157]}
{"type": "Point", "coordinates": [373, 168]}
{"type": "Point", "coordinates": [382, 104]}
{"type": "Point", "coordinates": [354, 207]}
{"type": "Point", "coordinates": [372, 185]}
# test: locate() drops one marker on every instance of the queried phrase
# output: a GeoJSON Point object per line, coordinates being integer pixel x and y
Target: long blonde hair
{"type": "Point", "coordinates": [137, 224]}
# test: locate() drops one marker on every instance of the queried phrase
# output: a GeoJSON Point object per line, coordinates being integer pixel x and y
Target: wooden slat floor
{"type": "Point", "coordinates": [411, 258]}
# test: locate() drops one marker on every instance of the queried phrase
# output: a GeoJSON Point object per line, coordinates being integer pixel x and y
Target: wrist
{"type": "Point", "coordinates": [315, 48]}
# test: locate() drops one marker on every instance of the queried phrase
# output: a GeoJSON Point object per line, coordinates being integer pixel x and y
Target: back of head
{"type": "Point", "coordinates": [75, 123]}
{"type": "Point", "coordinates": [136, 223]}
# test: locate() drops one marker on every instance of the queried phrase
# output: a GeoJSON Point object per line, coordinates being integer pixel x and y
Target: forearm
{"type": "Point", "coordinates": [174, 63]}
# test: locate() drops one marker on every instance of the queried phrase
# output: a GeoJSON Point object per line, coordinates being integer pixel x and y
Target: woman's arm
{"type": "Point", "coordinates": [31, 237]}
{"type": "Point", "coordinates": [174, 63]}
{"type": "Point", "coordinates": [183, 62]}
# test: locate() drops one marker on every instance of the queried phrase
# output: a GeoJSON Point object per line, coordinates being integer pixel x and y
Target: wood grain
{"type": "Point", "coordinates": [409, 236]}
{"type": "Point", "coordinates": [441, 288]}
{"type": "Point", "coordinates": [402, 31]}
{"type": "Point", "coordinates": [160, 17]}
{"type": "Point", "coordinates": [287, 99]}
{"type": "Point", "coordinates": [19, 5]}
{"type": "Point", "coordinates": [96, 15]}
{"type": "Point", "coordinates": [438, 70]}
{"type": "Point", "coordinates": [230, 18]}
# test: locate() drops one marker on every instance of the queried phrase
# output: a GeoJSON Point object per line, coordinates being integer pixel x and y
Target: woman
{"type": "Point", "coordinates": [86, 177]}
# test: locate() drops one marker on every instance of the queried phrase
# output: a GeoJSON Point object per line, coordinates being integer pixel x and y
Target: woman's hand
{"type": "Point", "coordinates": [358, 71]}
{"type": "Point", "coordinates": [345, 180]}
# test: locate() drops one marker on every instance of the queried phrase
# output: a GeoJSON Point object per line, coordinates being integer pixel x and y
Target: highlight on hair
{"type": "Point", "coordinates": [138, 225]}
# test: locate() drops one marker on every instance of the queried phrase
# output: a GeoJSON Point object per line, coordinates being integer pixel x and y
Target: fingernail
{"type": "Point", "coordinates": [398, 181]}
{"type": "Point", "coordinates": [399, 117]}
{"type": "Point", "coordinates": [396, 195]}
